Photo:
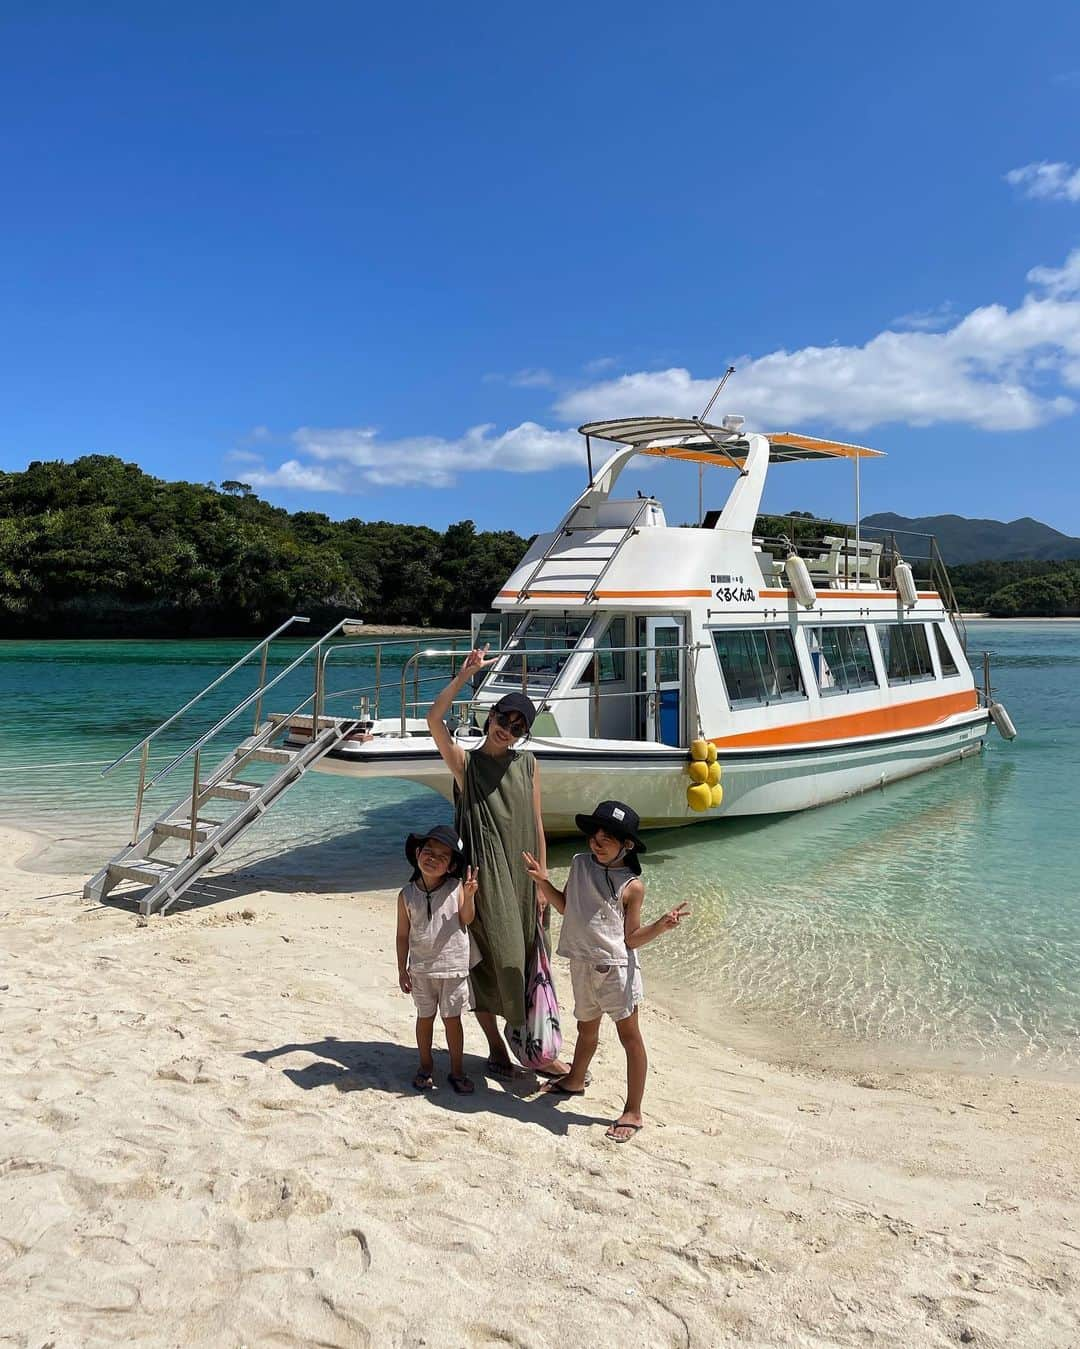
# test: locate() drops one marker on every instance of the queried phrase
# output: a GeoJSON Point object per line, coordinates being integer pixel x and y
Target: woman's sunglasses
{"type": "Point", "coordinates": [515, 725]}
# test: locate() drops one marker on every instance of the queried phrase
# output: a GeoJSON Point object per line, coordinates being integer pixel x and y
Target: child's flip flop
{"type": "Point", "coordinates": [423, 1081]}
{"type": "Point", "coordinates": [549, 1076]}
{"type": "Point", "coordinates": [461, 1085]}
{"type": "Point", "coordinates": [556, 1088]}
{"type": "Point", "coordinates": [613, 1135]}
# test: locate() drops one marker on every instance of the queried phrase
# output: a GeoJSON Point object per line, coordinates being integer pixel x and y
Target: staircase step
{"type": "Point", "coordinates": [267, 755]}
{"type": "Point", "coordinates": [145, 870]}
{"type": "Point", "coordinates": [234, 791]}
{"type": "Point", "coordinates": [182, 829]}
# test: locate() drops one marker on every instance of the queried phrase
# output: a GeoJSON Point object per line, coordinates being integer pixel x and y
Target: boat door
{"type": "Point", "coordinates": [660, 673]}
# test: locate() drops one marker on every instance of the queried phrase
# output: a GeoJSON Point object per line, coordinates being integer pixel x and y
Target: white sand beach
{"type": "Point", "coordinates": [209, 1138]}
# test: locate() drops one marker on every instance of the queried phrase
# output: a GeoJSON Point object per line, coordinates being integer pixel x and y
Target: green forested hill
{"type": "Point", "coordinates": [99, 548]}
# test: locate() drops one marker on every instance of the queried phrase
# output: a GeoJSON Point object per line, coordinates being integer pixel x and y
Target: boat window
{"type": "Point", "coordinates": [759, 665]}
{"type": "Point", "coordinates": [549, 640]}
{"type": "Point", "coordinates": [906, 652]}
{"type": "Point", "coordinates": [948, 662]}
{"type": "Point", "coordinates": [841, 659]}
{"type": "Point", "coordinates": [612, 663]}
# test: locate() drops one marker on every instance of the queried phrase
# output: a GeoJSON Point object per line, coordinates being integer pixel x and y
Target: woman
{"type": "Point", "coordinates": [498, 814]}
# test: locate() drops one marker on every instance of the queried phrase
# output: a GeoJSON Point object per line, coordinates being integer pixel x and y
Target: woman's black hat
{"type": "Point", "coordinates": [517, 702]}
{"type": "Point", "coordinates": [441, 833]}
{"type": "Point", "coordinates": [620, 821]}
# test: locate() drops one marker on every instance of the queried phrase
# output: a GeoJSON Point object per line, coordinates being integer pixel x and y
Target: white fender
{"type": "Point", "coordinates": [799, 580]}
{"type": "Point", "coordinates": [905, 584]}
{"type": "Point", "coordinates": [1002, 721]}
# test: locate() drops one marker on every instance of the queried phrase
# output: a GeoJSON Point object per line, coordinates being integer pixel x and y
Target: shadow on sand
{"type": "Point", "coordinates": [380, 1065]}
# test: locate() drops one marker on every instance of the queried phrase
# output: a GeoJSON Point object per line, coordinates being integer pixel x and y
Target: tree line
{"type": "Point", "coordinates": [98, 548]}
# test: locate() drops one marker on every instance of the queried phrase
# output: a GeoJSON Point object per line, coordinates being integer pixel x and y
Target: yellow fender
{"type": "Point", "coordinates": [699, 796]}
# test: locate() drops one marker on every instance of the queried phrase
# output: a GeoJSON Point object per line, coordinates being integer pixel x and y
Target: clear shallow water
{"type": "Point", "coordinates": [937, 920]}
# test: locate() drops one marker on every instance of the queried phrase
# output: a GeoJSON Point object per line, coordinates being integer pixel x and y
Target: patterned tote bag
{"type": "Point", "coordinates": [540, 1039]}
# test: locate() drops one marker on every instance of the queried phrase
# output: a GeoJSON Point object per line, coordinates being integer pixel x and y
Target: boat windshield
{"type": "Point", "coordinates": [549, 639]}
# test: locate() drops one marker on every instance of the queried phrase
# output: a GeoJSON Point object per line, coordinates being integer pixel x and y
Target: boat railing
{"type": "Point", "coordinates": [465, 709]}
{"type": "Point", "coordinates": [846, 557]}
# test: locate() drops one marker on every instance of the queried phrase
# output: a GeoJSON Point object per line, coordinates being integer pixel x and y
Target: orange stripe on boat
{"type": "Point", "coordinates": [847, 594]}
{"type": "Point", "coordinates": [609, 594]}
{"type": "Point", "coordinates": [879, 721]}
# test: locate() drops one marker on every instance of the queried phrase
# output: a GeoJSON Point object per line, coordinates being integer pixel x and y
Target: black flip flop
{"type": "Point", "coordinates": [496, 1068]}
{"type": "Point", "coordinates": [634, 1128]}
{"type": "Point", "coordinates": [423, 1081]}
{"type": "Point", "coordinates": [554, 1077]}
{"type": "Point", "coordinates": [556, 1088]}
{"type": "Point", "coordinates": [462, 1085]}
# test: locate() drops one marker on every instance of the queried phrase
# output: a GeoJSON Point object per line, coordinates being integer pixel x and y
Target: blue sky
{"type": "Point", "coordinates": [381, 263]}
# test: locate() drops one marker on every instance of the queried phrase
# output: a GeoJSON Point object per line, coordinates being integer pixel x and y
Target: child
{"type": "Point", "coordinates": [601, 932]}
{"type": "Point", "coordinates": [433, 948]}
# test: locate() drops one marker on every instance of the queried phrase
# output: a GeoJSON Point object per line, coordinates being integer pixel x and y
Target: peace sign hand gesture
{"type": "Point", "coordinates": [673, 918]}
{"type": "Point", "coordinates": [469, 882]}
{"type": "Point", "coordinates": [477, 660]}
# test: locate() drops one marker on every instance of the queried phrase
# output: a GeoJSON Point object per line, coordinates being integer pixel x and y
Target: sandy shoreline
{"type": "Point", "coordinates": [208, 1138]}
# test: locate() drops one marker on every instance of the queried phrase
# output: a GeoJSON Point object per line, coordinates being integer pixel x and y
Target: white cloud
{"type": "Point", "coordinates": [297, 476]}
{"type": "Point", "coordinates": [1047, 181]}
{"type": "Point", "coordinates": [926, 320]}
{"type": "Point", "coordinates": [996, 369]}
{"type": "Point", "coordinates": [1059, 281]}
{"type": "Point", "coordinates": [436, 460]}
{"type": "Point", "coordinates": [529, 378]}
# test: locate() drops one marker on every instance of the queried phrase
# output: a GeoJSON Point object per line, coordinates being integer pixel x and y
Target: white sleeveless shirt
{"type": "Point", "coordinates": [592, 927]}
{"type": "Point", "coordinates": [438, 945]}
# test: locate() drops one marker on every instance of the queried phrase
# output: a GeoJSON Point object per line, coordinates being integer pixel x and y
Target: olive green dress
{"type": "Point", "coordinates": [496, 818]}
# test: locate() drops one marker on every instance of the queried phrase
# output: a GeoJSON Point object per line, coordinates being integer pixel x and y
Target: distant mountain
{"type": "Point", "coordinates": [963, 540]}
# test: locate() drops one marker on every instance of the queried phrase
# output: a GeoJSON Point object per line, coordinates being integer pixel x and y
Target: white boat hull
{"type": "Point", "coordinates": [653, 778]}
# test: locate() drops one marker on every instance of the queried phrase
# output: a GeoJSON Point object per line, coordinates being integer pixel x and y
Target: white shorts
{"type": "Point", "coordinates": [615, 989]}
{"type": "Point", "coordinates": [449, 995]}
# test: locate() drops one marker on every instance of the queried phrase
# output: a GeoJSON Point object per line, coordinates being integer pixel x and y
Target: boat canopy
{"type": "Point", "coordinates": [703, 442]}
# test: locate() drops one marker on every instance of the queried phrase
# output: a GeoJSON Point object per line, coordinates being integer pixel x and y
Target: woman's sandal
{"type": "Point", "coordinates": [462, 1085]}
{"type": "Point", "coordinates": [496, 1068]}
{"type": "Point", "coordinates": [423, 1081]}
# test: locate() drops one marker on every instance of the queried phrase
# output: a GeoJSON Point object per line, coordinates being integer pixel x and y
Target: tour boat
{"type": "Point", "coordinates": [792, 671]}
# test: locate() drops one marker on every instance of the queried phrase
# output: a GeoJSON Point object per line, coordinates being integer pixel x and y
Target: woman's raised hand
{"type": "Point", "coordinates": [533, 867]}
{"type": "Point", "coordinates": [673, 918]}
{"type": "Point", "coordinates": [476, 660]}
{"type": "Point", "coordinates": [469, 882]}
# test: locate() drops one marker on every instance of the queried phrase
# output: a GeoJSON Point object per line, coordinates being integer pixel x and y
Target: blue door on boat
{"type": "Point", "coordinates": [663, 680]}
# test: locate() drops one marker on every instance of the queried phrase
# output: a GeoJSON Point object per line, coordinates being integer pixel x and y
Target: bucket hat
{"type": "Point", "coordinates": [620, 821]}
{"type": "Point", "coordinates": [441, 833]}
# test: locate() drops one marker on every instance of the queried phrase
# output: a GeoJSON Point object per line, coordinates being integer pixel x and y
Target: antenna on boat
{"type": "Point", "coordinates": [701, 467]}
{"type": "Point", "coordinates": [716, 392]}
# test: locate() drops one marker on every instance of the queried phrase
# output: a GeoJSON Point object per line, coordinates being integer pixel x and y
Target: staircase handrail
{"type": "Point", "coordinates": [242, 706]}
{"type": "Point", "coordinates": [295, 618]}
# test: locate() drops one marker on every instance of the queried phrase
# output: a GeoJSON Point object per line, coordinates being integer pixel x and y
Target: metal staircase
{"type": "Point", "coordinates": [560, 561]}
{"type": "Point", "coordinates": [171, 852]}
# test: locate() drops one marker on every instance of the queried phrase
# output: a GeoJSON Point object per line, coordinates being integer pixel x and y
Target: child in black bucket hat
{"type": "Point", "coordinates": [434, 954]}
{"type": "Point", "coordinates": [601, 931]}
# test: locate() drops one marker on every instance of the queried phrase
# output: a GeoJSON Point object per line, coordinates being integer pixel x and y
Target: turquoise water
{"type": "Point", "coordinates": [939, 919]}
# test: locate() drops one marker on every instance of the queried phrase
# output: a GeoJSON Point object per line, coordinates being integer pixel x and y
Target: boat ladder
{"type": "Point", "coordinates": [559, 555]}
{"type": "Point", "coordinates": [170, 853]}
